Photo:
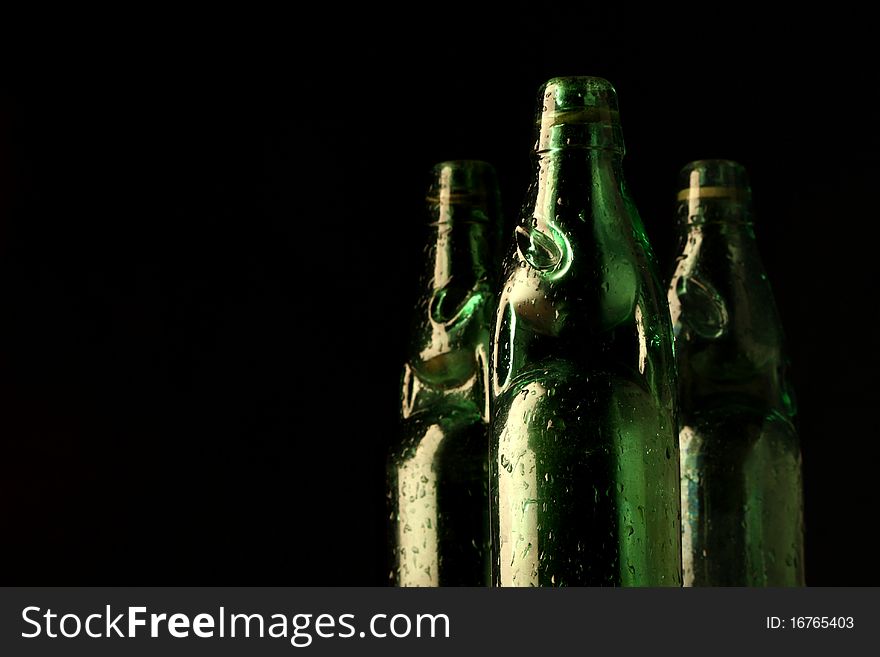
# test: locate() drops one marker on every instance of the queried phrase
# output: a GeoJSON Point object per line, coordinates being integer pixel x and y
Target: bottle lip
{"type": "Point", "coordinates": [578, 111]}
{"type": "Point", "coordinates": [576, 96]}
{"type": "Point", "coordinates": [714, 163]}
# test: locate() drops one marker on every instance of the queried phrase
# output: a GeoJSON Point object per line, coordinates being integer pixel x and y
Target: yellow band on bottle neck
{"type": "Point", "coordinates": [694, 193]}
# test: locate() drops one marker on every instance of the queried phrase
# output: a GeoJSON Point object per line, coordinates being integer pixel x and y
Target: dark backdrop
{"type": "Point", "coordinates": [209, 234]}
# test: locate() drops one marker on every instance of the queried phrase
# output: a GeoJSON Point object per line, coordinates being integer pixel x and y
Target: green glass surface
{"type": "Point", "coordinates": [438, 471]}
{"type": "Point", "coordinates": [584, 453]}
{"type": "Point", "coordinates": [742, 517]}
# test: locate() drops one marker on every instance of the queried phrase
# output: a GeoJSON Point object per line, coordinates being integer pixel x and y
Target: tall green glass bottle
{"type": "Point", "coordinates": [584, 452]}
{"type": "Point", "coordinates": [438, 471]}
{"type": "Point", "coordinates": [742, 510]}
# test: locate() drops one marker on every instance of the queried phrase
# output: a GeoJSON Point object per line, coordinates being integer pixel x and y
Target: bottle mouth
{"type": "Point", "coordinates": [578, 111]}
{"type": "Point", "coordinates": [586, 99]}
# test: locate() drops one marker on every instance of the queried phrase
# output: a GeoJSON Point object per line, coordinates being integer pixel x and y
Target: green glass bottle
{"type": "Point", "coordinates": [742, 510]}
{"type": "Point", "coordinates": [584, 452]}
{"type": "Point", "coordinates": [438, 470]}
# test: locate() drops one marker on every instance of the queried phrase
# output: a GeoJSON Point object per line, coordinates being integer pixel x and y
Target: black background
{"type": "Point", "coordinates": [209, 233]}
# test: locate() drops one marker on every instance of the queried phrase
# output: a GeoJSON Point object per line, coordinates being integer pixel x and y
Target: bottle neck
{"type": "Point", "coordinates": [579, 152]}
{"type": "Point", "coordinates": [450, 323]}
{"type": "Point", "coordinates": [735, 237]}
{"type": "Point", "coordinates": [728, 334]}
{"type": "Point", "coordinates": [717, 238]}
{"type": "Point", "coordinates": [457, 279]}
{"type": "Point", "coordinates": [575, 203]}
{"type": "Point", "coordinates": [572, 183]}
{"type": "Point", "coordinates": [458, 256]}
